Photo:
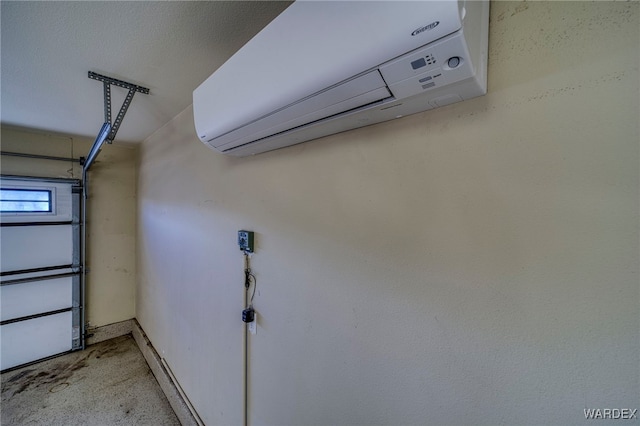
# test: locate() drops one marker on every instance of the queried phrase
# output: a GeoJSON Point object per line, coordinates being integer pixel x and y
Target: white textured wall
{"type": "Point", "coordinates": [477, 264]}
{"type": "Point", "coordinates": [111, 216]}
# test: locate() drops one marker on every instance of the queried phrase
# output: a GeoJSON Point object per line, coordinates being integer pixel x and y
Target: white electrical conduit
{"type": "Point", "coordinates": [246, 351]}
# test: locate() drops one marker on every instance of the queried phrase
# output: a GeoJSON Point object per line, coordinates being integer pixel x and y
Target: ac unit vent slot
{"type": "Point", "coordinates": [353, 93]}
{"type": "Point", "coordinates": [308, 124]}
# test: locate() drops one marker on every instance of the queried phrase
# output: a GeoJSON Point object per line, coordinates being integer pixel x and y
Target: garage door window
{"type": "Point", "coordinates": [21, 200]}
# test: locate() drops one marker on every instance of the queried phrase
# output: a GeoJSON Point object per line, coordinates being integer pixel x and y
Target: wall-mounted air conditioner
{"type": "Point", "coordinates": [323, 67]}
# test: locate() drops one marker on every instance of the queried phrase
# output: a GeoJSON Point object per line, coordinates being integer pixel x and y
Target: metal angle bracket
{"type": "Point", "coordinates": [132, 89]}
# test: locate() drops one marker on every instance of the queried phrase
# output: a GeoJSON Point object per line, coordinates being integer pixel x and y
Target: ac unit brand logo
{"type": "Point", "coordinates": [425, 28]}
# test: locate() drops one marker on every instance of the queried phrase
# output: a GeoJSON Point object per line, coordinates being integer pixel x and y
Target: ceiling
{"type": "Point", "coordinates": [170, 47]}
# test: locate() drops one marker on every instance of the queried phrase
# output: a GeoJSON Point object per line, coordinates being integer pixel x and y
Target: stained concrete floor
{"type": "Point", "coordinates": [108, 383]}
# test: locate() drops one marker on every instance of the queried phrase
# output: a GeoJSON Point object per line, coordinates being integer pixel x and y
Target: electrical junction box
{"type": "Point", "coordinates": [248, 315]}
{"type": "Point", "coordinates": [245, 241]}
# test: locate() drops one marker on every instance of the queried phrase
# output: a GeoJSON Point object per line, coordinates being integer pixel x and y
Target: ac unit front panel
{"type": "Point", "coordinates": [385, 110]}
{"type": "Point", "coordinates": [349, 94]}
{"type": "Point", "coordinates": [447, 69]}
{"type": "Point", "coordinates": [359, 101]}
{"type": "Point", "coordinates": [403, 78]}
{"type": "Point", "coordinates": [313, 45]}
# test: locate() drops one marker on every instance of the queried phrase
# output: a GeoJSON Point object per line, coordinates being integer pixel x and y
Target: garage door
{"type": "Point", "coordinates": [40, 286]}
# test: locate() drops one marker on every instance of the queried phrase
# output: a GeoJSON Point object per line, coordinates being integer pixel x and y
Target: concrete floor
{"type": "Point", "coordinates": [108, 383]}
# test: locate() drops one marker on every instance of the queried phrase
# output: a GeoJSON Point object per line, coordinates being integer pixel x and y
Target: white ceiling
{"type": "Point", "coordinates": [170, 47]}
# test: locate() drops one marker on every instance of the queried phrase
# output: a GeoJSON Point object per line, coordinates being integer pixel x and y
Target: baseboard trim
{"type": "Point", "coordinates": [179, 405]}
{"type": "Point", "coordinates": [110, 331]}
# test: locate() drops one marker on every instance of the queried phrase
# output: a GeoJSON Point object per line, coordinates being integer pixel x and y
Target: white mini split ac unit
{"type": "Point", "coordinates": [323, 67]}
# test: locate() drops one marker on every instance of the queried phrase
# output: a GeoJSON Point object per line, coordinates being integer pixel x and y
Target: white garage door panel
{"type": "Point", "coordinates": [31, 298]}
{"type": "Point", "coordinates": [31, 340]}
{"type": "Point", "coordinates": [50, 245]}
{"type": "Point", "coordinates": [41, 286]}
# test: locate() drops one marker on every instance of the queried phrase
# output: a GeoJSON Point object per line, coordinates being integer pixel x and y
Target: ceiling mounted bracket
{"type": "Point", "coordinates": [132, 89]}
